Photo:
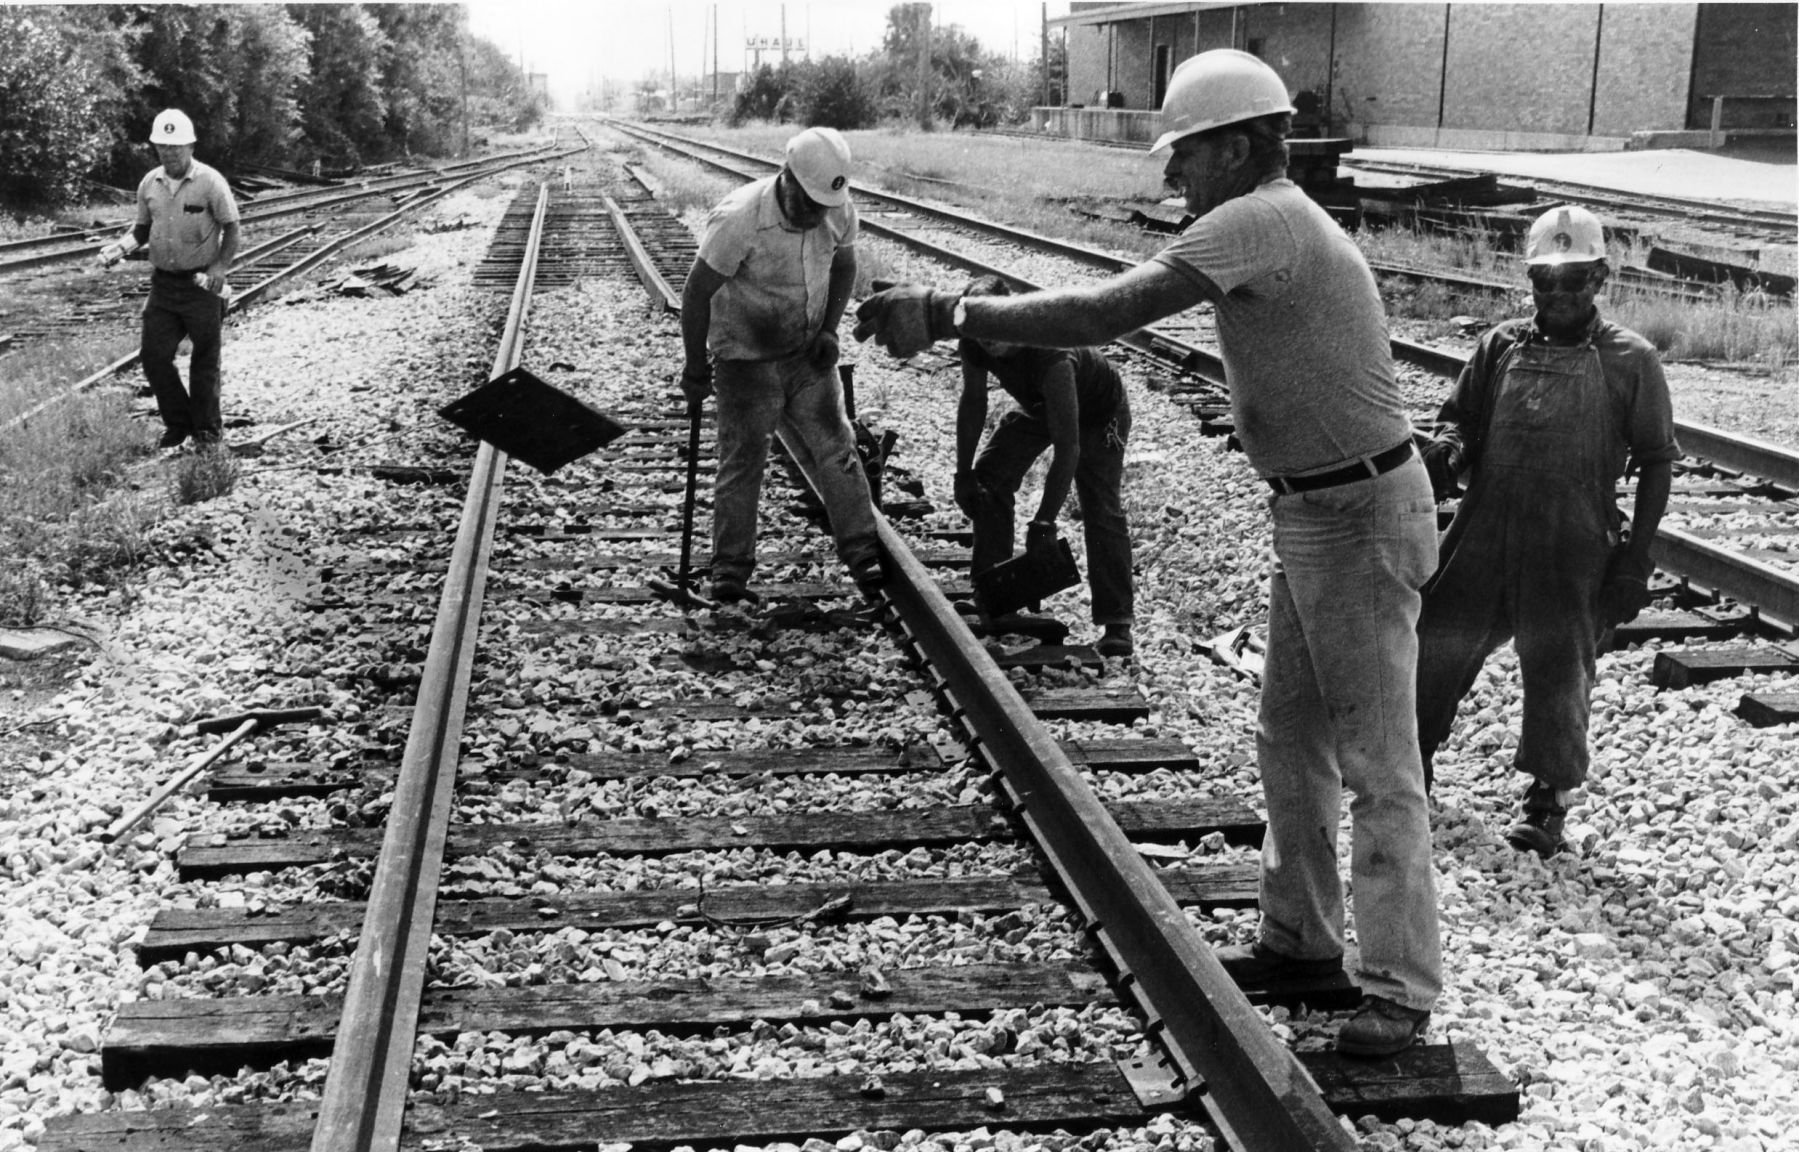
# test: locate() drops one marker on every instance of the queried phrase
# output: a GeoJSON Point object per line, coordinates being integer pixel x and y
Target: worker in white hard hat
{"type": "Point", "coordinates": [187, 218]}
{"type": "Point", "coordinates": [1550, 411]}
{"type": "Point", "coordinates": [759, 319]}
{"type": "Point", "coordinates": [1320, 416]}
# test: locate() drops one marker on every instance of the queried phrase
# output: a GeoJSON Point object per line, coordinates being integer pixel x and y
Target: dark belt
{"type": "Point", "coordinates": [1367, 468]}
{"type": "Point", "coordinates": [177, 275]}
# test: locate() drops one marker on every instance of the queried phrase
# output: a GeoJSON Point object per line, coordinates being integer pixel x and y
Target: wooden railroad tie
{"type": "Point", "coordinates": [1450, 1084]}
{"type": "Point", "coordinates": [174, 932]}
{"type": "Point", "coordinates": [210, 855]}
{"type": "Point", "coordinates": [1685, 667]}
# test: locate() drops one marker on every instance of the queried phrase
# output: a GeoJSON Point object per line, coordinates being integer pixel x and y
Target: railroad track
{"type": "Point", "coordinates": [1726, 478]}
{"type": "Point", "coordinates": [983, 907]}
{"type": "Point", "coordinates": [303, 229]}
{"type": "Point", "coordinates": [341, 222]}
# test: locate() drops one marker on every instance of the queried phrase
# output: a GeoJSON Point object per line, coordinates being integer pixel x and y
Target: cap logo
{"type": "Point", "coordinates": [168, 129]}
{"type": "Point", "coordinates": [1563, 242]}
{"type": "Point", "coordinates": [837, 184]}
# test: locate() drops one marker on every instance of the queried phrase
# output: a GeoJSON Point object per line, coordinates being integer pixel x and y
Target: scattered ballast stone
{"type": "Point", "coordinates": [1641, 990]}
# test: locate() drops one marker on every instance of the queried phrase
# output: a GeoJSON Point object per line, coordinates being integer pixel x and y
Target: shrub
{"type": "Point", "coordinates": [49, 132]}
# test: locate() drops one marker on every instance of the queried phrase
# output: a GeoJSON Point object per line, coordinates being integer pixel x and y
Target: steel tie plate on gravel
{"type": "Point", "coordinates": [533, 421]}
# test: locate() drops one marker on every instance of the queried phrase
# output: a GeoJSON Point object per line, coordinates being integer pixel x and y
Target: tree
{"type": "Point", "coordinates": [831, 93]}
{"type": "Point", "coordinates": [342, 109]}
{"type": "Point", "coordinates": [50, 135]}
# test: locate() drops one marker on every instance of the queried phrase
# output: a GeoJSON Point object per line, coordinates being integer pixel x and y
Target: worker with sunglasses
{"type": "Point", "coordinates": [1542, 423]}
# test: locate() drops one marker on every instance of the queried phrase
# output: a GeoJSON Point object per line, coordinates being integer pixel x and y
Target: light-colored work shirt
{"type": "Point", "coordinates": [1301, 328]}
{"type": "Point", "coordinates": [186, 217]}
{"type": "Point", "coordinates": [777, 277]}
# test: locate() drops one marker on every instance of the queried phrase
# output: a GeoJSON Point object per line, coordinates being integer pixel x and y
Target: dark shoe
{"type": "Point", "coordinates": [1381, 1028]}
{"type": "Point", "coordinates": [1258, 966]}
{"type": "Point", "coordinates": [730, 590]}
{"type": "Point", "coordinates": [1540, 820]}
{"type": "Point", "coordinates": [869, 574]}
{"type": "Point", "coordinates": [1116, 641]}
{"type": "Point", "coordinates": [172, 438]}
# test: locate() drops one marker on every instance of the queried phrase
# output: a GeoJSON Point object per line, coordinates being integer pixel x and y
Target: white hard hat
{"type": "Point", "coordinates": [1219, 87]}
{"type": "Point", "coordinates": [172, 127]}
{"type": "Point", "coordinates": [819, 159]}
{"type": "Point", "coordinates": [1565, 235]}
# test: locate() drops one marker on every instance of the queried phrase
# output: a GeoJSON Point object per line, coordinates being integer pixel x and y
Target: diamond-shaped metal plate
{"type": "Point", "coordinates": [532, 421]}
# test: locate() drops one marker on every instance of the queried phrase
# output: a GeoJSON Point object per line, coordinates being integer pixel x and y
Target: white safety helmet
{"type": "Point", "coordinates": [1219, 87]}
{"type": "Point", "coordinates": [819, 159]}
{"type": "Point", "coordinates": [172, 127]}
{"type": "Point", "coordinates": [1565, 235]}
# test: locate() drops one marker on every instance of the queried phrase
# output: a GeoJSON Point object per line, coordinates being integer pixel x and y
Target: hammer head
{"type": "Point", "coordinates": [262, 719]}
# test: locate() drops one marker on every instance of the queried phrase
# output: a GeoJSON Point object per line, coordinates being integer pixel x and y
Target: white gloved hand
{"type": "Point", "coordinates": [111, 254]}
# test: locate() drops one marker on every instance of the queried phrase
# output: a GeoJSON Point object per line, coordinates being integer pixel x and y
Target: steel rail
{"type": "Point", "coordinates": [1188, 356]}
{"type": "Point", "coordinates": [314, 201]}
{"type": "Point", "coordinates": [256, 291]}
{"type": "Point", "coordinates": [1226, 1058]}
{"type": "Point", "coordinates": [1773, 593]}
{"type": "Point", "coordinates": [1745, 582]}
{"type": "Point", "coordinates": [653, 280]}
{"type": "Point", "coordinates": [364, 1099]}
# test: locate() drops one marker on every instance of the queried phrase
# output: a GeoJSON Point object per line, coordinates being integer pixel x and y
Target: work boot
{"type": "Point", "coordinates": [869, 574]}
{"type": "Point", "coordinates": [732, 590]}
{"type": "Point", "coordinates": [1381, 1028]}
{"type": "Point", "coordinates": [1116, 641]}
{"type": "Point", "coordinates": [1540, 820]}
{"type": "Point", "coordinates": [1259, 966]}
{"type": "Point", "coordinates": [172, 438]}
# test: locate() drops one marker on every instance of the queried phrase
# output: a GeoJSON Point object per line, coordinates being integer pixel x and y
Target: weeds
{"type": "Point", "coordinates": [205, 474]}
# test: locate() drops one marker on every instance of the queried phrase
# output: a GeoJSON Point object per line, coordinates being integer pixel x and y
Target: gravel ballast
{"type": "Point", "coordinates": [1640, 991]}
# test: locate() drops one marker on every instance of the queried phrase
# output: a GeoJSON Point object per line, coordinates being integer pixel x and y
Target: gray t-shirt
{"type": "Point", "coordinates": [1301, 329]}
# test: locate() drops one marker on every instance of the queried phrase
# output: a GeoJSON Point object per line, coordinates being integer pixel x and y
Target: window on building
{"type": "Point", "coordinates": [1164, 69]}
{"type": "Point", "coordinates": [1254, 44]}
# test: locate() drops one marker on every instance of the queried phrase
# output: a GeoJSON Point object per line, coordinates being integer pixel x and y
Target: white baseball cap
{"type": "Point", "coordinates": [819, 159]}
{"type": "Point", "coordinates": [172, 127]}
{"type": "Point", "coordinates": [1565, 235]}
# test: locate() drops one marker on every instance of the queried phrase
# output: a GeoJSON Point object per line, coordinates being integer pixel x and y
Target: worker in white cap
{"type": "Point", "coordinates": [1550, 411]}
{"type": "Point", "coordinates": [1319, 413]}
{"type": "Point", "coordinates": [188, 220]}
{"type": "Point", "coordinates": [759, 318]}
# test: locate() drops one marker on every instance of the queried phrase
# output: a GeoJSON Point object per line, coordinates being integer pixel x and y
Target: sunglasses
{"type": "Point", "coordinates": [1559, 277]}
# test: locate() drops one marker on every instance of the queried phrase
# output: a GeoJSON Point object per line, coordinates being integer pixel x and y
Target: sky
{"type": "Point", "coordinates": [574, 41]}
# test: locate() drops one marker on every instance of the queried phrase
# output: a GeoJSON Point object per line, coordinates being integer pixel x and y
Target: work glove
{"type": "Point", "coordinates": [824, 351]}
{"type": "Point", "coordinates": [696, 382]}
{"type": "Point", "coordinates": [1442, 460]}
{"type": "Point", "coordinates": [1039, 535]}
{"type": "Point", "coordinates": [214, 284]}
{"type": "Point", "coordinates": [972, 496]}
{"type": "Point", "coordinates": [907, 319]}
{"type": "Point", "coordinates": [111, 254]}
{"type": "Point", "coordinates": [1625, 590]}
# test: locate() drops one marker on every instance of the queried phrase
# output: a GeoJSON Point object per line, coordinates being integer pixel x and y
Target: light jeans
{"type": "Point", "coordinates": [806, 403]}
{"type": "Point", "coordinates": [1338, 710]}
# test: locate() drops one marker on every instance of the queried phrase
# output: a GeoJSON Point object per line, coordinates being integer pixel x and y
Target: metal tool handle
{"type": "Point", "coordinates": [263, 719]}
{"type": "Point", "coordinates": [130, 819]}
{"type": "Point", "coordinates": [693, 483]}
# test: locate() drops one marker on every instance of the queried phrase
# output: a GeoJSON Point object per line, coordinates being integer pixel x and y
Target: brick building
{"type": "Point", "coordinates": [1470, 75]}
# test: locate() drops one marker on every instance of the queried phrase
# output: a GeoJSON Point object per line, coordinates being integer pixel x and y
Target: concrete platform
{"type": "Point", "coordinates": [1761, 178]}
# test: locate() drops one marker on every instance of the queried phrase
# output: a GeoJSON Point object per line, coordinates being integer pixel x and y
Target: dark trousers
{"type": "Point", "coordinates": [178, 307]}
{"type": "Point", "coordinates": [1001, 466]}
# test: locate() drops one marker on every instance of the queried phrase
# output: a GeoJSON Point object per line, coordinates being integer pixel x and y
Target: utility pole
{"type": "Point", "coordinates": [715, 54]}
{"type": "Point", "coordinates": [674, 93]}
{"type": "Point", "coordinates": [1046, 53]}
{"type": "Point", "coordinates": [783, 35]}
{"type": "Point", "coordinates": [924, 66]}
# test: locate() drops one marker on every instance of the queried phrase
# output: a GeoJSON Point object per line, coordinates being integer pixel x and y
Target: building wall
{"type": "Point", "coordinates": [1744, 50]}
{"type": "Point", "coordinates": [1646, 54]}
{"type": "Point", "coordinates": [1087, 46]}
{"type": "Point", "coordinates": [1389, 65]}
{"type": "Point", "coordinates": [1520, 67]}
{"type": "Point", "coordinates": [1510, 74]}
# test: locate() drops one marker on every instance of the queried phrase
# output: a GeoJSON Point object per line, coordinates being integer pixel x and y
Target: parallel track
{"type": "Point", "coordinates": [1772, 592]}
